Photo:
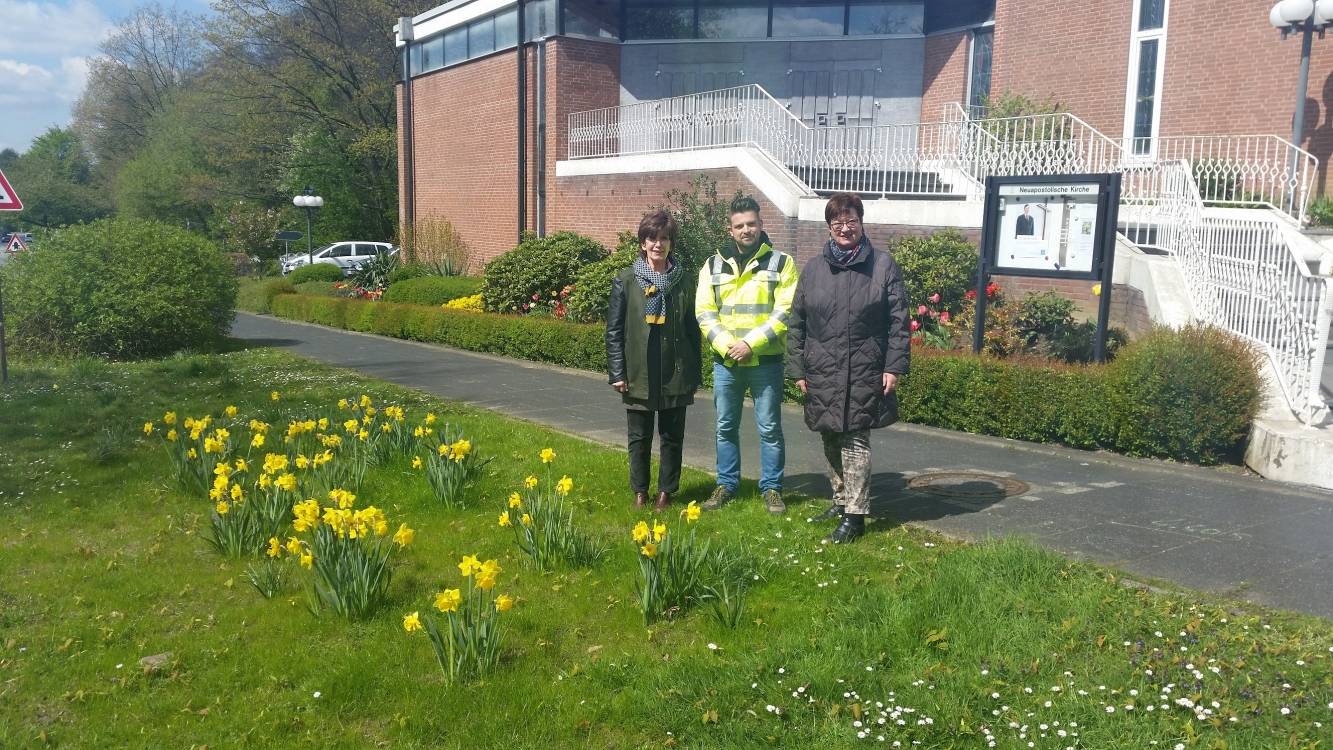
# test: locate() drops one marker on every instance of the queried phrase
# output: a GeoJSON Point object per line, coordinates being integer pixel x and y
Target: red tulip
{"type": "Point", "coordinates": [935, 298]}
{"type": "Point", "coordinates": [944, 317]}
{"type": "Point", "coordinates": [921, 309]}
{"type": "Point", "coordinates": [916, 325]}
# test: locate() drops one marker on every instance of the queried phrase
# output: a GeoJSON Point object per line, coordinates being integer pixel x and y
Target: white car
{"type": "Point", "coordinates": [347, 256]}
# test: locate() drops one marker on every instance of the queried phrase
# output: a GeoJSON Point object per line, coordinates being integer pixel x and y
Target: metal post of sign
{"type": "Point", "coordinates": [988, 232]}
{"type": "Point", "coordinates": [4, 360]}
{"type": "Point", "coordinates": [1110, 210]}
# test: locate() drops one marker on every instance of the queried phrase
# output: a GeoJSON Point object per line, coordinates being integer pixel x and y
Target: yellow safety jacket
{"type": "Point", "coordinates": [751, 304]}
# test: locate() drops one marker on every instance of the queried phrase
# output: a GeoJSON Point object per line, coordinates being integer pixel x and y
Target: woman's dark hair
{"type": "Point", "coordinates": [656, 224]}
{"type": "Point", "coordinates": [840, 203]}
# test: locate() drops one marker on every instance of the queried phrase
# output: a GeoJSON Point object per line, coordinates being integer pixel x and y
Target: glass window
{"type": "Point", "coordinates": [432, 54]}
{"type": "Point", "coordinates": [795, 18]}
{"type": "Point", "coordinates": [455, 45]}
{"type": "Point", "coordinates": [872, 17]}
{"type": "Point", "coordinates": [506, 29]}
{"type": "Point", "coordinates": [659, 19]}
{"type": "Point", "coordinates": [1145, 96]}
{"type": "Point", "coordinates": [1152, 14]}
{"type": "Point", "coordinates": [735, 20]}
{"type": "Point", "coordinates": [414, 57]}
{"type": "Point", "coordinates": [979, 77]}
{"type": "Point", "coordinates": [594, 18]}
{"type": "Point", "coordinates": [481, 37]}
{"type": "Point", "coordinates": [539, 19]}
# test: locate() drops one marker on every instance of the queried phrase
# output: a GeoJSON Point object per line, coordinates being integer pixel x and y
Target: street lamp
{"type": "Point", "coordinates": [308, 200]}
{"type": "Point", "coordinates": [1305, 17]}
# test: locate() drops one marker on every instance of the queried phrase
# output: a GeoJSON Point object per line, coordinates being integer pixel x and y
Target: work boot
{"type": "Point", "coordinates": [663, 500]}
{"type": "Point", "coordinates": [640, 499]}
{"type": "Point", "coordinates": [773, 501]}
{"type": "Point", "coordinates": [834, 511]}
{"type": "Point", "coordinates": [720, 497]}
{"type": "Point", "coordinates": [853, 526]}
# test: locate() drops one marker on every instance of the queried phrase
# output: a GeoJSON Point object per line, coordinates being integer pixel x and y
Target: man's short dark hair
{"type": "Point", "coordinates": [744, 204]}
{"type": "Point", "coordinates": [657, 224]}
{"type": "Point", "coordinates": [841, 203]}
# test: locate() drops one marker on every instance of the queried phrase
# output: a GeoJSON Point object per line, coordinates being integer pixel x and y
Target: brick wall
{"type": "Point", "coordinates": [944, 75]}
{"type": "Point", "coordinates": [1075, 52]}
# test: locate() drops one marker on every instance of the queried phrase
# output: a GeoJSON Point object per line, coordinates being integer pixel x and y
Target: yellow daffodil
{"type": "Point", "coordinates": [274, 547]}
{"type": "Point", "coordinates": [274, 462]}
{"type": "Point", "coordinates": [293, 546]}
{"type": "Point", "coordinates": [469, 565]}
{"type": "Point", "coordinates": [363, 436]}
{"type": "Point", "coordinates": [445, 451]}
{"type": "Point", "coordinates": [365, 401]}
{"type": "Point", "coordinates": [490, 567]}
{"type": "Point", "coordinates": [171, 435]}
{"type": "Point", "coordinates": [307, 561]}
{"type": "Point", "coordinates": [342, 403]}
{"type": "Point", "coordinates": [342, 498]}
{"type": "Point", "coordinates": [404, 535]}
{"type": "Point", "coordinates": [230, 411]}
{"type": "Point", "coordinates": [323, 423]}
{"type": "Point", "coordinates": [1096, 290]}
{"type": "Point", "coordinates": [306, 514]}
{"type": "Point", "coordinates": [461, 449]}
{"type": "Point", "coordinates": [648, 550]}
{"type": "Point", "coordinates": [257, 441]}
{"type": "Point", "coordinates": [237, 495]}
{"type": "Point", "coordinates": [504, 520]}
{"type": "Point", "coordinates": [385, 427]}
{"type": "Point", "coordinates": [148, 428]}
{"type": "Point", "coordinates": [169, 418]}
{"type": "Point", "coordinates": [221, 434]}
{"type": "Point", "coordinates": [242, 465]}
{"type": "Point", "coordinates": [640, 532]}
{"type": "Point", "coordinates": [564, 485]}
{"type": "Point", "coordinates": [515, 501]}
{"type": "Point", "coordinates": [691, 512]}
{"type": "Point", "coordinates": [504, 603]}
{"type": "Point", "coordinates": [274, 396]}
{"type": "Point", "coordinates": [351, 426]}
{"type": "Point", "coordinates": [530, 482]}
{"type": "Point", "coordinates": [286, 482]}
{"type": "Point", "coordinates": [192, 453]}
{"type": "Point", "coordinates": [430, 419]}
{"type": "Point", "coordinates": [418, 432]}
{"type": "Point", "coordinates": [257, 426]}
{"type": "Point", "coordinates": [486, 581]}
{"type": "Point", "coordinates": [448, 600]}
{"type": "Point", "coordinates": [212, 445]}
{"type": "Point", "coordinates": [265, 481]}
{"type": "Point", "coordinates": [412, 622]}
{"type": "Point", "coordinates": [302, 462]}
{"type": "Point", "coordinates": [370, 412]}
{"type": "Point", "coordinates": [547, 455]}
{"type": "Point", "coordinates": [223, 469]}
{"type": "Point", "coordinates": [222, 507]}
{"type": "Point", "coordinates": [416, 462]}
{"type": "Point", "coordinates": [659, 530]}
{"type": "Point", "coordinates": [526, 520]}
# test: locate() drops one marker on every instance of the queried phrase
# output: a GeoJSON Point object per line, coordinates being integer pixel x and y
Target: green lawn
{"type": "Point", "coordinates": [905, 636]}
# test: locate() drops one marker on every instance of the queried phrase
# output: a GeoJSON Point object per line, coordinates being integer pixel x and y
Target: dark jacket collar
{"type": "Point", "coordinates": [863, 254]}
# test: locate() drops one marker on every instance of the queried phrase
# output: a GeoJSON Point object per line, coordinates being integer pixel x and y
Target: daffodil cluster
{"type": "Point", "coordinates": [466, 636]}
{"type": "Point", "coordinates": [674, 573]}
{"type": "Point", "coordinates": [447, 460]}
{"type": "Point", "coordinates": [543, 524]}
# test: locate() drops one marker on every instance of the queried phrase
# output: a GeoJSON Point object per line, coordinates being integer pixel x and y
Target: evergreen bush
{"type": "Point", "coordinates": [537, 269]}
{"type": "Point", "coordinates": [432, 290]}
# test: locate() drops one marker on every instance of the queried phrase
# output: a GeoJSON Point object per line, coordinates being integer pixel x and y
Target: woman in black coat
{"type": "Point", "coordinates": [652, 352]}
{"type": "Point", "coordinates": [847, 347]}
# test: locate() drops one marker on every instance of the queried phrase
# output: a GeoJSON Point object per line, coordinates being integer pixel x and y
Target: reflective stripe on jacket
{"type": "Point", "coordinates": [750, 304]}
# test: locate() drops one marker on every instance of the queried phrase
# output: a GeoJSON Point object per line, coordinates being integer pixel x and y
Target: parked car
{"type": "Point", "coordinates": [345, 255]}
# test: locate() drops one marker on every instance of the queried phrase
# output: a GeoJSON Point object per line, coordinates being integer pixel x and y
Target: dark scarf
{"type": "Point", "coordinates": [656, 286]}
{"type": "Point", "coordinates": [844, 258]}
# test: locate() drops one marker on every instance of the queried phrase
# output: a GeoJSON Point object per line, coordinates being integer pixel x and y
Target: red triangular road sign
{"type": "Point", "coordinates": [15, 244]}
{"type": "Point", "coordinates": [9, 200]}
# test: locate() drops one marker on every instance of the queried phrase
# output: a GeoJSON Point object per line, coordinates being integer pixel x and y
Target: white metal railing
{"type": "Point", "coordinates": [1241, 274]}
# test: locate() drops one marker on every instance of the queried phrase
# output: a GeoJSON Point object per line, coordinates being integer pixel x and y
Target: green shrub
{"type": "Point", "coordinates": [538, 266]}
{"type": "Point", "coordinates": [253, 295]}
{"type": "Point", "coordinates": [1074, 343]}
{"type": "Point", "coordinates": [432, 290]}
{"type": "Point", "coordinates": [944, 263]}
{"type": "Point", "coordinates": [1042, 314]}
{"type": "Point", "coordinates": [316, 272]}
{"type": "Point", "coordinates": [318, 288]}
{"type": "Point", "coordinates": [1320, 212]}
{"type": "Point", "coordinates": [1189, 393]}
{"type": "Point", "coordinates": [119, 288]}
{"type": "Point", "coordinates": [412, 270]}
{"type": "Point", "coordinates": [592, 288]}
{"type": "Point", "coordinates": [702, 219]}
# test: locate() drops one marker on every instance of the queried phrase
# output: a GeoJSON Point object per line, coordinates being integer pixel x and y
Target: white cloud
{"type": "Point", "coordinates": [52, 29]}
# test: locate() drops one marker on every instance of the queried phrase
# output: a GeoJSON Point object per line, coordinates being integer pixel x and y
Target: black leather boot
{"type": "Point", "coordinates": [834, 511]}
{"type": "Point", "coordinates": [853, 526]}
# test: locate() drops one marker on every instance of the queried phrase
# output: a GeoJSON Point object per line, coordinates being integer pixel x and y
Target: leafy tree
{"type": "Point", "coordinates": [170, 179]}
{"type": "Point", "coordinates": [56, 181]}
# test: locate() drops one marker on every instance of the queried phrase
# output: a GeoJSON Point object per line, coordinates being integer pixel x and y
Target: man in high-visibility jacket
{"type": "Point", "coordinates": [742, 302]}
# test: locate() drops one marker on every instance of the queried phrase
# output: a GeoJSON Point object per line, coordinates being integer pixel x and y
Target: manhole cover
{"type": "Point", "coordinates": [967, 485]}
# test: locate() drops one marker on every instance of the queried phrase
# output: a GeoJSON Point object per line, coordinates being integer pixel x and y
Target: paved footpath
{"type": "Point", "coordinates": [1206, 529]}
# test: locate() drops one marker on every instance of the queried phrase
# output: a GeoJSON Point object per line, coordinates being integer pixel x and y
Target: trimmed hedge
{"type": "Point", "coordinates": [316, 272]}
{"type": "Point", "coordinates": [255, 296]}
{"type": "Point", "coordinates": [432, 290]}
{"type": "Point", "coordinates": [1189, 394]}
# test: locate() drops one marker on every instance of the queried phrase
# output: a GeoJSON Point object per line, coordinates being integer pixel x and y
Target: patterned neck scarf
{"type": "Point", "coordinates": [842, 257]}
{"type": "Point", "coordinates": [655, 287]}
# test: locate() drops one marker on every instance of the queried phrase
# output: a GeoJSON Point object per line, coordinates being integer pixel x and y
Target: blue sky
{"type": "Point", "coordinates": [44, 58]}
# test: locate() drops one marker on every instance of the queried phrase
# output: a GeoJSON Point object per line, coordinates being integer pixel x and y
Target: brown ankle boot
{"type": "Point", "coordinates": [640, 499]}
{"type": "Point", "coordinates": [663, 500]}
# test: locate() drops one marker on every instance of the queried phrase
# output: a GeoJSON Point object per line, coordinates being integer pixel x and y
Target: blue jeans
{"type": "Point", "coordinates": [764, 382]}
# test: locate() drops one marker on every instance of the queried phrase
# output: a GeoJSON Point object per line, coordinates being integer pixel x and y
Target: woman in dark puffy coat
{"type": "Point", "coordinates": [847, 348]}
{"type": "Point", "coordinates": [652, 352]}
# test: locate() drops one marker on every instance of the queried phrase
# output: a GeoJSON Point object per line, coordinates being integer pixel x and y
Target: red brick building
{"type": "Point", "coordinates": [1141, 71]}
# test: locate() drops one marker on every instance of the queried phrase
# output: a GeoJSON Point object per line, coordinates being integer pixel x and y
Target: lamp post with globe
{"type": "Point", "coordinates": [308, 201]}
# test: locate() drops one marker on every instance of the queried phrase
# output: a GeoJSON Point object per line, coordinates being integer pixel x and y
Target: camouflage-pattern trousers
{"type": "Point", "coordinates": [848, 458]}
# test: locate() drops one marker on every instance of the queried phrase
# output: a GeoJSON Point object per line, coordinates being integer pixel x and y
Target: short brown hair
{"type": "Point", "coordinates": [656, 224]}
{"type": "Point", "coordinates": [840, 203]}
{"type": "Point", "coordinates": [743, 204]}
